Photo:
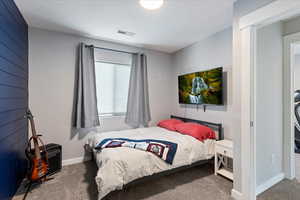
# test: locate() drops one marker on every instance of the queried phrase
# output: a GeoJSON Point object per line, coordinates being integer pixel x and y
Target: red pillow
{"type": "Point", "coordinates": [169, 124]}
{"type": "Point", "coordinates": [197, 131]}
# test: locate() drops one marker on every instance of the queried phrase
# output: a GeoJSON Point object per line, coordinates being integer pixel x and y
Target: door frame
{"type": "Point", "coordinates": [248, 25]}
{"type": "Point", "coordinates": [289, 89]}
{"type": "Point", "coordinates": [248, 115]}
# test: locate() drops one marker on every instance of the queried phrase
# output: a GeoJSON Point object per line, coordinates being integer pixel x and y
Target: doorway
{"type": "Point", "coordinates": [249, 27]}
{"type": "Point", "coordinates": [292, 82]}
{"type": "Point", "coordinates": [296, 66]}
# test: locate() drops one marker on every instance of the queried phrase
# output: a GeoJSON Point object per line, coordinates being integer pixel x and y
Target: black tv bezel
{"type": "Point", "coordinates": [202, 104]}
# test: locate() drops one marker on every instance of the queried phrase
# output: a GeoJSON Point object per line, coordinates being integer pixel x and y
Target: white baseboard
{"type": "Point", "coordinates": [268, 184]}
{"type": "Point", "coordinates": [236, 195]}
{"type": "Point", "coordinates": [77, 160]}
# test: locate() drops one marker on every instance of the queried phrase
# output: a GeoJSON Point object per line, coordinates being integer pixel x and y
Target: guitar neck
{"type": "Point", "coordinates": [35, 140]}
{"type": "Point", "coordinates": [32, 127]}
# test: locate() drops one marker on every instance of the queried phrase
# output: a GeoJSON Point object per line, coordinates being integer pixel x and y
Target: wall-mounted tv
{"type": "Point", "coordinates": [205, 87]}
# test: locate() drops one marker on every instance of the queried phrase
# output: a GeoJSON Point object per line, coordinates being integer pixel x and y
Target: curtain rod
{"type": "Point", "coordinates": [115, 50]}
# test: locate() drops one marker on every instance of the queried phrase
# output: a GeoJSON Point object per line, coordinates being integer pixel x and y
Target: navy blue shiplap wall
{"type": "Point", "coordinates": [13, 97]}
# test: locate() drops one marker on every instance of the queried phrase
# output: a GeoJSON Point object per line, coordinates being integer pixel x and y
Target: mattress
{"type": "Point", "coordinates": [119, 166]}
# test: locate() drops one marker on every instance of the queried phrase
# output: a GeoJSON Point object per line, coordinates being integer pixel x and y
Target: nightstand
{"type": "Point", "coordinates": [223, 152]}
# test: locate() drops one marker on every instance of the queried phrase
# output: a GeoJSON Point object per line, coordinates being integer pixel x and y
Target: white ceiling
{"type": "Point", "coordinates": [179, 23]}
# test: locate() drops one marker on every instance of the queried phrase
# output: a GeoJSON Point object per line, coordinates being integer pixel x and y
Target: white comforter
{"type": "Point", "coordinates": [119, 166]}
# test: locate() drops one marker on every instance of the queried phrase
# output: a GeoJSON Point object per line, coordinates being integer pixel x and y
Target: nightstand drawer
{"type": "Point", "coordinates": [224, 151]}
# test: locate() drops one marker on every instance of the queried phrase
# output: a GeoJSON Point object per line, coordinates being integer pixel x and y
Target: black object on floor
{"type": "Point", "coordinates": [27, 190]}
{"type": "Point", "coordinates": [32, 183]}
{"type": "Point", "coordinates": [54, 158]}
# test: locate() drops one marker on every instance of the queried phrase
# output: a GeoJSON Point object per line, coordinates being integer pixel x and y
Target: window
{"type": "Point", "coordinates": [112, 82]}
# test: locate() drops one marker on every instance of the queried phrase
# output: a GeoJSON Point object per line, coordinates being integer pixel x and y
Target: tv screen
{"type": "Point", "coordinates": [204, 87]}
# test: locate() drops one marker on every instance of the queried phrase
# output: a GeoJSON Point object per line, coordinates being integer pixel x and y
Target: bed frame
{"type": "Point", "coordinates": [216, 127]}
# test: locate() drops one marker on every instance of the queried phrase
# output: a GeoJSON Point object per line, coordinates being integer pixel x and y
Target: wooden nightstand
{"type": "Point", "coordinates": [223, 151]}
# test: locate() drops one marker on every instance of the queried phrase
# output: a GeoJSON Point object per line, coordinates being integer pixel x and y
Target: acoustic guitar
{"type": "Point", "coordinates": [38, 165]}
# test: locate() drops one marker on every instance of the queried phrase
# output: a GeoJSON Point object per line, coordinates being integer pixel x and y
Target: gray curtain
{"type": "Point", "coordinates": [138, 110]}
{"type": "Point", "coordinates": [85, 114]}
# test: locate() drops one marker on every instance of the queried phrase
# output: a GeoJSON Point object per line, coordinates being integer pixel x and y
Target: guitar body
{"type": "Point", "coordinates": [38, 164]}
{"type": "Point", "coordinates": [39, 169]}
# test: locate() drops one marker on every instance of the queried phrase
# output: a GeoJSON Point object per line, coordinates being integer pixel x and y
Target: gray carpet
{"type": "Point", "coordinates": [285, 190]}
{"type": "Point", "coordinates": [76, 182]}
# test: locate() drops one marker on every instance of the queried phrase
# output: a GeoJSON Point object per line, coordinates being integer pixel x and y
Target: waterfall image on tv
{"type": "Point", "coordinates": [201, 87]}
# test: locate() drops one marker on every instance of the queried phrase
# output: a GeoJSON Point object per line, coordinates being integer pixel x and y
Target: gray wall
{"type": "Point", "coordinates": [215, 51]}
{"type": "Point", "coordinates": [291, 26]}
{"type": "Point", "coordinates": [244, 7]}
{"type": "Point", "coordinates": [269, 99]}
{"type": "Point", "coordinates": [51, 86]}
{"type": "Point", "coordinates": [241, 8]}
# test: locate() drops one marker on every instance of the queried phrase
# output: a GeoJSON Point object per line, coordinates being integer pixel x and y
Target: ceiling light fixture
{"type": "Point", "coordinates": [151, 4]}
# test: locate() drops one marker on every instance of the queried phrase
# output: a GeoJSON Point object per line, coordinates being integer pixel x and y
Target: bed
{"type": "Point", "coordinates": [119, 168]}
